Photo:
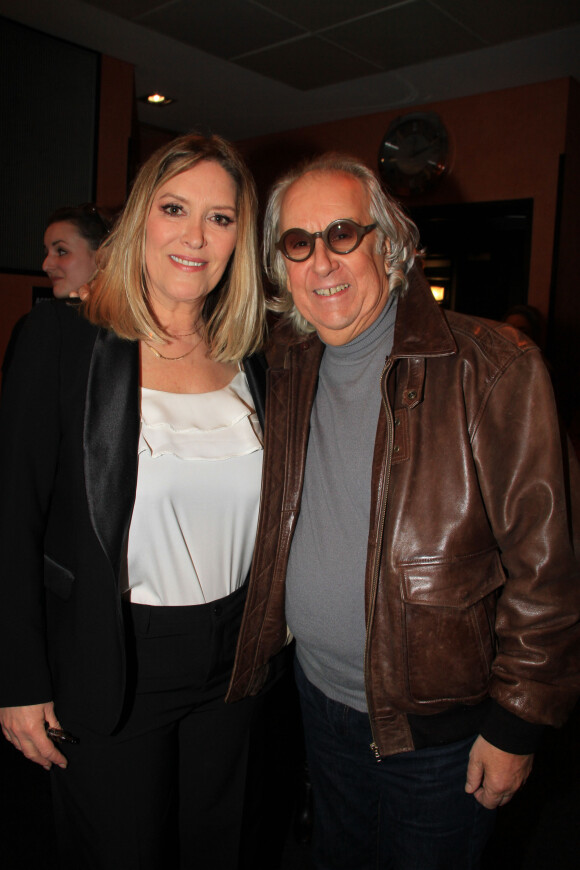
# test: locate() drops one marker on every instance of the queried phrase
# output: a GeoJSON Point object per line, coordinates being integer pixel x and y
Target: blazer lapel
{"type": "Point", "coordinates": [255, 368]}
{"type": "Point", "coordinates": [110, 440]}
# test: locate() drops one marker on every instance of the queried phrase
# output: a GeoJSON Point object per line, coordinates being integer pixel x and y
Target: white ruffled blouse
{"type": "Point", "coordinates": [198, 490]}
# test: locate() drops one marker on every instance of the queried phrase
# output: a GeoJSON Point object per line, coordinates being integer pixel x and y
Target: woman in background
{"type": "Point", "coordinates": [71, 239]}
{"type": "Point", "coordinates": [131, 457]}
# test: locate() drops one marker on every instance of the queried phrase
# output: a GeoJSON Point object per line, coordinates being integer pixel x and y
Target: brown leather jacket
{"type": "Point", "coordinates": [472, 587]}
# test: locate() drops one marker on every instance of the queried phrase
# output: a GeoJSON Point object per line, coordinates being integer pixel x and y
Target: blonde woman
{"type": "Point", "coordinates": [131, 464]}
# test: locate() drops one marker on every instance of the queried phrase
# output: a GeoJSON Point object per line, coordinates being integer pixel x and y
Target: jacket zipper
{"type": "Point", "coordinates": [388, 365]}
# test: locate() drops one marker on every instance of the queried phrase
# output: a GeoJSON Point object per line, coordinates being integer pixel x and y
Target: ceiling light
{"type": "Point", "coordinates": [157, 100]}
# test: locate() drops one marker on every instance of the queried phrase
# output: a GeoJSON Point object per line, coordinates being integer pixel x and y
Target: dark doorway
{"type": "Point", "coordinates": [478, 254]}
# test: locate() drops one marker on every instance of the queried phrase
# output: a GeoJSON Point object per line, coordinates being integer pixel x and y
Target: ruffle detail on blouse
{"type": "Point", "coordinates": [207, 426]}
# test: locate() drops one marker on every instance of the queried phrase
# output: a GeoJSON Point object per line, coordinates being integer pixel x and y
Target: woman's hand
{"type": "Point", "coordinates": [81, 293]}
{"type": "Point", "coordinates": [25, 728]}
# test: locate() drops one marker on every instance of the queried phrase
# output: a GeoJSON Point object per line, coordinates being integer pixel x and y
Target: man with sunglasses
{"type": "Point", "coordinates": [413, 537]}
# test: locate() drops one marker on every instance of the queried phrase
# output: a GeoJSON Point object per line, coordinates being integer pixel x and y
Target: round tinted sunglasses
{"type": "Point", "coordinates": [340, 237]}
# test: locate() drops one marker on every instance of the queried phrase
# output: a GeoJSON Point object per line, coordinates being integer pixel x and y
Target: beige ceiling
{"type": "Point", "coordinates": [244, 67]}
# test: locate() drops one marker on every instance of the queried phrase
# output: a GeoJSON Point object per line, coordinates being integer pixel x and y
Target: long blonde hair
{"type": "Point", "coordinates": [233, 315]}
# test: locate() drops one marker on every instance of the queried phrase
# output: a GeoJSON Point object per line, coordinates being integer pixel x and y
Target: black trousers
{"type": "Point", "coordinates": [165, 791]}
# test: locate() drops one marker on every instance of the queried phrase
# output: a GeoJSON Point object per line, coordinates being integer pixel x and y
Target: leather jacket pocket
{"type": "Point", "coordinates": [58, 579]}
{"type": "Point", "coordinates": [449, 618]}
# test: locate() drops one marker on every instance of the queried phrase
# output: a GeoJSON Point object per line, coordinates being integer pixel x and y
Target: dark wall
{"type": "Point", "coordinates": [48, 111]}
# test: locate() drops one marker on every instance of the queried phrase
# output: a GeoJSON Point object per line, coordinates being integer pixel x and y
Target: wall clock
{"type": "Point", "coordinates": [414, 153]}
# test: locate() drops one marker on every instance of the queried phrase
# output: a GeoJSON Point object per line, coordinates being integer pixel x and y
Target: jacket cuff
{"type": "Point", "coordinates": [510, 733]}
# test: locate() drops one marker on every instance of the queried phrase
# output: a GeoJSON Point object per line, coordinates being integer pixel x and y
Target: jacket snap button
{"type": "Point", "coordinates": [412, 394]}
{"type": "Point", "coordinates": [397, 421]}
{"type": "Point", "coordinates": [396, 448]}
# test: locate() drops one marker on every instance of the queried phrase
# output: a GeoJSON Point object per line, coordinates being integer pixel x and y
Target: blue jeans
{"type": "Point", "coordinates": [408, 812]}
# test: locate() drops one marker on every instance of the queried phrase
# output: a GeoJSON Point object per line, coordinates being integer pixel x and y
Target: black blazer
{"type": "Point", "coordinates": [69, 429]}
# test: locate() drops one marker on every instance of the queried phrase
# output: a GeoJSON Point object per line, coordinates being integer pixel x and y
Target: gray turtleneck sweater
{"type": "Point", "coordinates": [326, 570]}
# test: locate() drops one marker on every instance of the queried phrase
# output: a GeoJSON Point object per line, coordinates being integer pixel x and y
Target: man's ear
{"type": "Point", "coordinates": [386, 254]}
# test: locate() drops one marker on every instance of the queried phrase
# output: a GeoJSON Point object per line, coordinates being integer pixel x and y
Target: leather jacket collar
{"type": "Point", "coordinates": [421, 329]}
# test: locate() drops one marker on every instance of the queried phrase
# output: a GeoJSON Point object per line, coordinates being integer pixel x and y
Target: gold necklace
{"type": "Point", "coordinates": [183, 334]}
{"type": "Point", "coordinates": [172, 358]}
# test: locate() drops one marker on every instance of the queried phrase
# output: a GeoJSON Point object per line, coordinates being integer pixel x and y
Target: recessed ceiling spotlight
{"type": "Point", "coordinates": [157, 100]}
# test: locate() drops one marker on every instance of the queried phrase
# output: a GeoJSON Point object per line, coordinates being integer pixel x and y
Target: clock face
{"type": "Point", "coordinates": [413, 154]}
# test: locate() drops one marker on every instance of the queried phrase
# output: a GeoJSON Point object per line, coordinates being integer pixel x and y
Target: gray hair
{"type": "Point", "coordinates": [397, 236]}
